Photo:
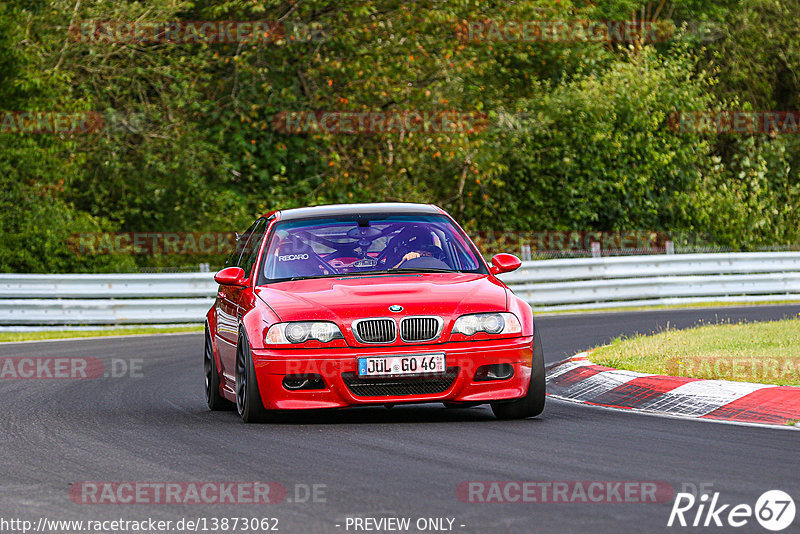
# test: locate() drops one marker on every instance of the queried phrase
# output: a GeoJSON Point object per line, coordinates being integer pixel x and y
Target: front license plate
{"type": "Point", "coordinates": [411, 364]}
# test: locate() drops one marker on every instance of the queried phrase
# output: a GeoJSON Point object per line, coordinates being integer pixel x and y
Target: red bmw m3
{"type": "Point", "coordinates": [368, 304]}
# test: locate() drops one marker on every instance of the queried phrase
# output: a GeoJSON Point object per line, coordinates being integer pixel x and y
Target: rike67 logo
{"type": "Point", "coordinates": [774, 510]}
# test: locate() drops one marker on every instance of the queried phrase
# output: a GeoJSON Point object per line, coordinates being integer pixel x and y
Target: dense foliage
{"type": "Point", "coordinates": [577, 133]}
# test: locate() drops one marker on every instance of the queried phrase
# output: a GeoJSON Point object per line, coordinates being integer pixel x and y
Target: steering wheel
{"type": "Point", "coordinates": [434, 251]}
{"type": "Point", "coordinates": [423, 262]}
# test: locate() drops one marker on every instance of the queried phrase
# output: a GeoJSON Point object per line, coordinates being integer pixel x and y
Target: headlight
{"type": "Point", "coordinates": [292, 333]}
{"type": "Point", "coordinates": [491, 323]}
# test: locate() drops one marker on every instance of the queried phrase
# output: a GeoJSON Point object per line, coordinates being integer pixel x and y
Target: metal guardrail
{"type": "Point", "coordinates": [92, 286]}
{"type": "Point", "coordinates": [74, 299]}
{"type": "Point", "coordinates": [586, 283]}
{"type": "Point", "coordinates": [611, 282]}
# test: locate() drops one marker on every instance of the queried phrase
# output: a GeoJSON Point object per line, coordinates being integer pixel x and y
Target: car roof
{"type": "Point", "coordinates": [334, 210]}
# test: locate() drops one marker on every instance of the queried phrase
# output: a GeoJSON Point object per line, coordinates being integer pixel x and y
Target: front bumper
{"type": "Point", "coordinates": [336, 364]}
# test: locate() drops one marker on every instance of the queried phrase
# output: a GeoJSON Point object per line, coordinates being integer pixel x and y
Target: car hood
{"type": "Point", "coordinates": [343, 300]}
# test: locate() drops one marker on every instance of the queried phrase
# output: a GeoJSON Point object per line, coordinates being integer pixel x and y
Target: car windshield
{"type": "Point", "coordinates": [314, 248]}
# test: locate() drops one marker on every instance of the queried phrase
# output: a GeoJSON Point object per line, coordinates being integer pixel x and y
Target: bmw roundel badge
{"type": "Point", "coordinates": [395, 308]}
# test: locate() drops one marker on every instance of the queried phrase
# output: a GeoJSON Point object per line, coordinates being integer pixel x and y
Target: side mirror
{"type": "Point", "coordinates": [505, 263]}
{"type": "Point", "coordinates": [230, 276]}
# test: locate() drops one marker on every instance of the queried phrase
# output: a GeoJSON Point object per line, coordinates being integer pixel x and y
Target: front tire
{"type": "Point", "coordinates": [531, 404]}
{"type": "Point", "coordinates": [248, 398]}
{"type": "Point", "coordinates": [214, 398]}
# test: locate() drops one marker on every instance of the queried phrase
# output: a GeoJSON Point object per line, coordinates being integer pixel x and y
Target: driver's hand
{"type": "Point", "coordinates": [408, 256]}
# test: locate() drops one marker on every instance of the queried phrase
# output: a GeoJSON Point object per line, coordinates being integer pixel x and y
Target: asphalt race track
{"type": "Point", "coordinates": [405, 462]}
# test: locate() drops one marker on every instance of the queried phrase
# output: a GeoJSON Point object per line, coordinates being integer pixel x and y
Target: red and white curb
{"type": "Point", "coordinates": [578, 379]}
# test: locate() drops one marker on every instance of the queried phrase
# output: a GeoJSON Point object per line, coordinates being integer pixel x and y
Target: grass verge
{"type": "Point", "coordinates": [68, 334]}
{"type": "Point", "coordinates": [765, 352]}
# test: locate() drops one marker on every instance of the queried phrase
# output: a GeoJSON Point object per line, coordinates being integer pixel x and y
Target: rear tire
{"type": "Point", "coordinates": [531, 404]}
{"type": "Point", "coordinates": [214, 398]}
{"type": "Point", "coordinates": [248, 398]}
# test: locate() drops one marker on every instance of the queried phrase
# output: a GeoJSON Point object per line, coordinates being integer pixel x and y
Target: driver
{"type": "Point", "coordinates": [425, 244]}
